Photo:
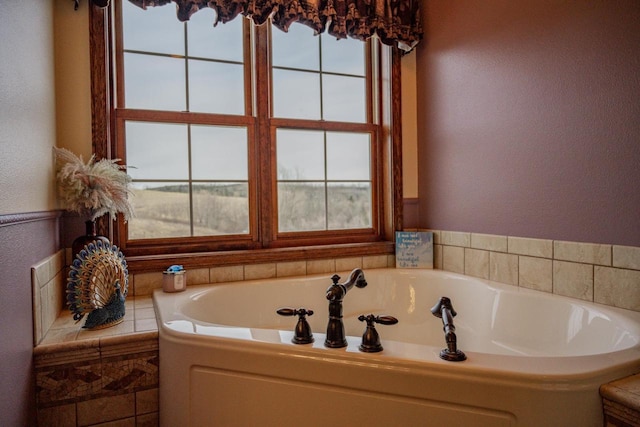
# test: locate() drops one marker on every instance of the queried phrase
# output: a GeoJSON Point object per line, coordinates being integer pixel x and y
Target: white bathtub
{"type": "Point", "coordinates": [533, 359]}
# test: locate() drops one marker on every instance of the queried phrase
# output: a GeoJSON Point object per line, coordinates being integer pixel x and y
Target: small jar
{"type": "Point", "coordinates": [174, 281]}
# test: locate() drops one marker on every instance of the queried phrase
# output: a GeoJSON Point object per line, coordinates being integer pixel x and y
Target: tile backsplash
{"type": "Point", "coordinates": [605, 274]}
{"type": "Point", "coordinates": [48, 287]}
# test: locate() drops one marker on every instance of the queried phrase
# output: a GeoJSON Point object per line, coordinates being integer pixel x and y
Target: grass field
{"type": "Point", "coordinates": [165, 212]}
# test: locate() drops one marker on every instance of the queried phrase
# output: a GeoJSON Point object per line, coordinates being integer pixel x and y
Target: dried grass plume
{"type": "Point", "coordinates": [93, 188]}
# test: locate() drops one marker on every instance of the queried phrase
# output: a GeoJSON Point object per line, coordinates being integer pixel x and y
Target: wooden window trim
{"type": "Point", "coordinates": [389, 155]}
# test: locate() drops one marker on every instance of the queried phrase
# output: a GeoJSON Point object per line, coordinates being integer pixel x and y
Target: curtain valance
{"type": "Point", "coordinates": [393, 21]}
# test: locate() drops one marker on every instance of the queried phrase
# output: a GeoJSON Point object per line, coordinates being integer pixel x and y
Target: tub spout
{"type": "Point", "coordinates": [444, 310]}
{"type": "Point", "coordinates": [337, 291]}
{"type": "Point", "coordinates": [335, 294]}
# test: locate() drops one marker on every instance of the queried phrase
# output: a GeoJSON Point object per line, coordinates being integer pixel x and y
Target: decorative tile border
{"type": "Point", "coordinates": [77, 381]}
{"type": "Point", "coordinates": [84, 370]}
{"type": "Point", "coordinates": [605, 274]}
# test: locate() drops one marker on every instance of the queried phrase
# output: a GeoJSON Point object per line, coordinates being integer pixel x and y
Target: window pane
{"type": "Point", "coordinates": [300, 154]}
{"type": "Point", "coordinates": [220, 209]}
{"type": "Point", "coordinates": [349, 206]}
{"type": "Point", "coordinates": [153, 30]}
{"type": "Point", "coordinates": [222, 42]}
{"type": "Point", "coordinates": [162, 210]}
{"type": "Point", "coordinates": [146, 88]}
{"type": "Point", "coordinates": [301, 206]}
{"type": "Point", "coordinates": [296, 94]}
{"type": "Point", "coordinates": [345, 56]}
{"type": "Point", "coordinates": [219, 153]}
{"type": "Point", "coordinates": [348, 156]}
{"type": "Point", "coordinates": [344, 98]}
{"type": "Point", "coordinates": [157, 151]}
{"type": "Point", "coordinates": [216, 87]}
{"type": "Point", "coordinates": [298, 48]}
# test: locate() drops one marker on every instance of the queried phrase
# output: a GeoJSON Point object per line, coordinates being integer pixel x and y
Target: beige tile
{"type": "Point", "coordinates": [489, 242]}
{"type": "Point", "coordinates": [503, 268]}
{"type": "Point", "coordinates": [259, 271]}
{"type": "Point", "coordinates": [588, 253]}
{"type": "Point", "coordinates": [348, 264]}
{"type": "Point", "coordinates": [131, 289]}
{"type": "Point", "coordinates": [455, 238]}
{"type": "Point", "coordinates": [147, 401]}
{"type": "Point", "coordinates": [146, 283]}
{"type": "Point", "coordinates": [476, 263]}
{"type": "Point", "coordinates": [59, 282]}
{"type": "Point", "coordinates": [40, 272]}
{"type": "Point", "coordinates": [58, 416]}
{"type": "Point", "coordinates": [58, 262]}
{"type": "Point", "coordinates": [51, 302]}
{"type": "Point", "coordinates": [65, 320]}
{"type": "Point", "coordinates": [453, 259]}
{"type": "Point", "coordinates": [46, 313]}
{"type": "Point", "coordinates": [143, 325]}
{"type": "Point", "coordinates": [374, 261]}
{"type": "Point", "coordinates": [573, 280]}
{"type": "Point", "coordinates": [437, 257]}
{"type": "Point", "coordinates": [231, 273]}
{"type": "Point", "coordinates": [293, 268]}
{"type": "Point", "coordinates": [391, 261]}
{"type": "Point", "coordinates": [532, 247]}
{"type": "Point", "coordinates": [58, 336]}
{"type": "Point", "coordinates": [198, 276]}
{"type": "Point", "coordinates": [106, 409]}
{"type": "Point", "coordinates": [617, 287]}
{"type": "Point", "coordinates": [125, 327]}
{"type": "Point", "coordinates": [144, 313]}
{"type": "Point", "coordinates": [36, 292]}
{"type": "Point", "coordinates": [142, 302]}
{"type": "Point", "coordinates": [535, 273]}
{"type": "Point", "coordinates": [317, 266]}
{"type": "Point", "coordinates": [437, 239]}
{"type": "Point", "coordinates": [626, 257]}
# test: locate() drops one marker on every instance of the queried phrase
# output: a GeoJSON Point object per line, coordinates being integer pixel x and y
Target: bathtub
{"type": "Point", "coordinates": [533, 359]}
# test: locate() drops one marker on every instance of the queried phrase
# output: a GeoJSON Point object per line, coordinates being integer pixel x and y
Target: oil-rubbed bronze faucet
{"type": "Point", "coordinates": [335, 294]}
{"type": "Point", "coordinates": [444, 310]}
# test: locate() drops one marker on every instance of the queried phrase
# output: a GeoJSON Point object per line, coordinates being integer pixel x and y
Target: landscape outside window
{"type": "Point", "coordinates": [188, 116]}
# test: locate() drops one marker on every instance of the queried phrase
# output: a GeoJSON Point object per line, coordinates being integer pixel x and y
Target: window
{"type": "Point", "coordinates": [243, 137]}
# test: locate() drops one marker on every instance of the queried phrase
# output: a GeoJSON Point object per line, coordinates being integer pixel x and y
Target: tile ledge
{"type": "Point", "coordinates": [89, 343]}
{"type": "Point", "coordinates": [625, 391]}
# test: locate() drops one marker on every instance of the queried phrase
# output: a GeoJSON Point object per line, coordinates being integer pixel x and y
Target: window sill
{"type": "Point", "coordinates": [154, 263]}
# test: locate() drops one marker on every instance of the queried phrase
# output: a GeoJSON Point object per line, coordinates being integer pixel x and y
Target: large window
{"type": "Point", "coordinates": [246, 137]}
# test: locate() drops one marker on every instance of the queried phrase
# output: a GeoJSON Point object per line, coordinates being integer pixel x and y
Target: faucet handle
{"type": "Point", "coordinates": [371, 338]}
{"type": "Point", "coordinates": [302, 333]}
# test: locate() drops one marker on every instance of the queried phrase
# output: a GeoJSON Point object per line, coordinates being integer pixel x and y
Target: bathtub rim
{"type": "Point", "coordinates": [540, 369]}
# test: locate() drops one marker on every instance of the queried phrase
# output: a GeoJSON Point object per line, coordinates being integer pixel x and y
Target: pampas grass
{"type": "Point", "coordinates": [94, 188]}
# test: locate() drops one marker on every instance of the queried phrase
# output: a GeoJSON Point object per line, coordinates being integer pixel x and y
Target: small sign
{"type": "Point", "coordinates": [414, 249]}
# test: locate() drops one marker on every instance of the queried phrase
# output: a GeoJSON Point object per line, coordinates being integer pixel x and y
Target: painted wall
{"type": "Point", "coordinates": [27, 107]}
{"type": "Point", "coordinates": [27, 133]}
{"type": "Point", "coordinates": [529, 119]}
{"type": "Point", "coordinates": [73, 77]}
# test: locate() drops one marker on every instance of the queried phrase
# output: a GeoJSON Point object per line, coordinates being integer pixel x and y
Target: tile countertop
{"type": "Point", "coordinates": [139, 320]}
{"type": "Point", "coordinates": [622, 399]}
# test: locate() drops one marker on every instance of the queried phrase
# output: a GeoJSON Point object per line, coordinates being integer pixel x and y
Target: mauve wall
{"type": "Point", "coordinates": [25, 239]}
{"type": "Point", "coordinates": [529, 119]}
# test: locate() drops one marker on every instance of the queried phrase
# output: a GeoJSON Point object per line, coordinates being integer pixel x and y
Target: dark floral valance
{"type": "Point", "coordinates": [393, 21]}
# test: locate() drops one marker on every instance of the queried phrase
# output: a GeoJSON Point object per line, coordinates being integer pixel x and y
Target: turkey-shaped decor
{"type": "Point", "coordinates": [97, 285]}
